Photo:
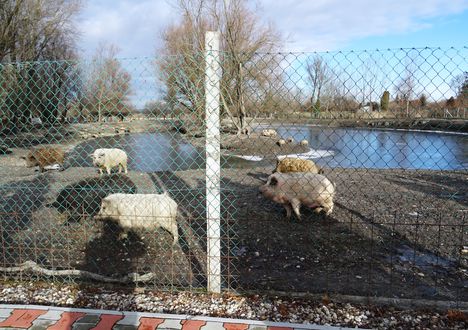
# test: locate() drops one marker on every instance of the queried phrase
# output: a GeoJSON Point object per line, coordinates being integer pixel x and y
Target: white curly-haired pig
{"type": "Point", "coordinates": [280, 142]}
{"type": "Point", "coordinates": [147, 211]}
{"type": "Point", "coordinates": [269, 132]}
{"type": "Point", "coordinates": [294, 189]}
{"type": "Point", "coordinates": [109, 158]}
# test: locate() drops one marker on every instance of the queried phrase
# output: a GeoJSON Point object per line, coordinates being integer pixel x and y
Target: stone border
{"type": "Point", "coordinates": [59, 318]}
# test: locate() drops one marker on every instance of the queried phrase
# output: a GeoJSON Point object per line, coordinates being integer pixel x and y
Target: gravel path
{"type": "Point", "coordinates": [256, 307]}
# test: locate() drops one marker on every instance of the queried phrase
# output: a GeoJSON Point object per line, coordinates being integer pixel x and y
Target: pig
{"type": "Point", "coordinates": [294, 189]}
{"type": "Point", "coordinates": [109, 158]}
{"type": "Point", "coordinates": [304, 143]}
{"type": "Point", "coordinates": [288, 165]}
{"type": "Point", "coordinates": [269, 133]}
{"type": "Point", "coordinates": [247, 131]}
{"type": "Point", "coordinates": [147, 211]}
{"type": "Point", "coordinates": [290, 139]}
{"type": "Point", "coordinates": [280, 142]}
{"type": "Point", "coordinates": [44, 156]}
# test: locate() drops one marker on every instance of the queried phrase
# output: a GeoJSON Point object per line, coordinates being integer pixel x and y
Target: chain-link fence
{"type": "Point", "coordinates": [118, 171]}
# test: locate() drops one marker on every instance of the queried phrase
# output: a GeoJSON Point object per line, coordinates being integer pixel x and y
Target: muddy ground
{"type": "Point", "coordinates": [393, 233]}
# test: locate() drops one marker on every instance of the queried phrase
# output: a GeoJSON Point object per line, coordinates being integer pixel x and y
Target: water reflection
{"type": "Point", "coordinates": [147, 152]}
{"type": "Point", "coordinates": [352, 148]}
{"type": "Point", "coordinates": [368, 148]}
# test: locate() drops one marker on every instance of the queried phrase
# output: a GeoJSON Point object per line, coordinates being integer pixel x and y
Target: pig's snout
{"type": "Point", "coordinates": [101, 215]}
{"type": "Point", "coordinates": [260, 192]}
{"type": "Point", "coordinates": [262, 189]}
{"type": "Point", "coordinates": [266, 191]}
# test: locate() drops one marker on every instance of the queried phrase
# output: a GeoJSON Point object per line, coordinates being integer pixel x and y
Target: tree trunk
{"type": "Point", "coordinates": [99, 105]}
{"type": "Point", "coordinates": [229, 113]}
{"type": "Point", "coordinates": [240, 98]}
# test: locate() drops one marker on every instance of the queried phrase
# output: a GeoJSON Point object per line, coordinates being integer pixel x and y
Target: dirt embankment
{"type": "Point", "coordinates": [449, 125]}
{"type": "Point", "coordinates": [456, 125]}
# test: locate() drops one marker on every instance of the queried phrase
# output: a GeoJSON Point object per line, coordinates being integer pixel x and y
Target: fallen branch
{"type": "Point", "coordinates": [32, 266]}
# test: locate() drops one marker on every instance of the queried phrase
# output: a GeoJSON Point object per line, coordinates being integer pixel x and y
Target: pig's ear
{"type": "Point", "coordinates": [273, 181]}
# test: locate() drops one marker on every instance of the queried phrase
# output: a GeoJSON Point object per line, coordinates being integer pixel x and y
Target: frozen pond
{"type": "Point", "coordinates": [331, 147]}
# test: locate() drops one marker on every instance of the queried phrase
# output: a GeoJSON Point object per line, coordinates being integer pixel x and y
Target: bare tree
{"type": "Point", "coordinates": [370, 76]}
{"type": "Point", "coordinates": [242, 36]}
{"type": "Point", "coordinates": [405, 89]}
{"type": "Point", "coordinates": [108, 85]}
{"type": "Point", "coordinates": [33, 30]}
{"type": "Point", "coordinates": [181, 67]}
{"type": "Point", "coordinates": [459, 85]}
{"type": "Point", "coordinates": [8, 87]}
{"type": "Point", "coordinates": [319, 75]}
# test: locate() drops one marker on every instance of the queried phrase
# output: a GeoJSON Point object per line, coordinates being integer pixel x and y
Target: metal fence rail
{"type": "Point", "coordinates": [366, 120]}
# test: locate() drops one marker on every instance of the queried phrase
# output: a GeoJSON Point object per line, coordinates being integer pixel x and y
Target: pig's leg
{"type": "Point", "coordinates": [175, 233]}
{"type": "Point", "coordinates": [315, 206]}
{"type": "Point", "coordinates": [170, 225]}
{"type": "Point", "coordinates": [100, 171]}
{"type": "Point", "coordinates": [328, 207]}
{"type": "Point", "coordinates": [124, 165]}
{"type": "Point", "coordinates": [288, 210]}
{"type": "Point", "coordinates": [120, 168]}
{"type": "Point", "coordinates": [296, 205]}
{"type": "Point", "coordinates": [108, 170]}
{"type": "Point", "coordinates": [318, 209]}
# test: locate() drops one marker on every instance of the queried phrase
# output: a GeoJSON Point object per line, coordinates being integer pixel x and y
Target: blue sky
{"type": "Point", "coordinates": [446, 31]}
{"type": "Point", "coordinates": [307, 25]}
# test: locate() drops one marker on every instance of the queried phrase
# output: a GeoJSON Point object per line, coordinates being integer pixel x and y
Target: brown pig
{"type": "Point", "coordinates": [295, 189]}
{"type": "Point", "coordinates": [44, 156]}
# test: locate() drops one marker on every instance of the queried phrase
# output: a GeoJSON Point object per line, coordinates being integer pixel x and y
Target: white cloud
{"type": "Point", "coordinates": [135, 25]}
{"type": "Point", "coordinates": [330, 24]}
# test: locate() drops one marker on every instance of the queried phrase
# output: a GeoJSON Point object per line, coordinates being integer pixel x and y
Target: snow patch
{"type": "Point", "coordinates": [251, 158]}
{"type": "Point", "coordinates": [311, 154]}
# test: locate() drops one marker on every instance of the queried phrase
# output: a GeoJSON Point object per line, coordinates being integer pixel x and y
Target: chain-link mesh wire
{"type": "Point", "coordinates": [386, 129]}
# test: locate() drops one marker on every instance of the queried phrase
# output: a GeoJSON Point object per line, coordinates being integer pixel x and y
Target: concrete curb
{"type": "Point", "coordinates": [49, 317]}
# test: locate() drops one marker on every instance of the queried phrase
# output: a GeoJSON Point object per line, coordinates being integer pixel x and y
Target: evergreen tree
{"type": "Point", "coordinates": [385, 101]}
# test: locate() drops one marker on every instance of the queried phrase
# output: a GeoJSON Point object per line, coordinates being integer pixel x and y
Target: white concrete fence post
{"type": "Point", "coordinates": [213, 168]}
